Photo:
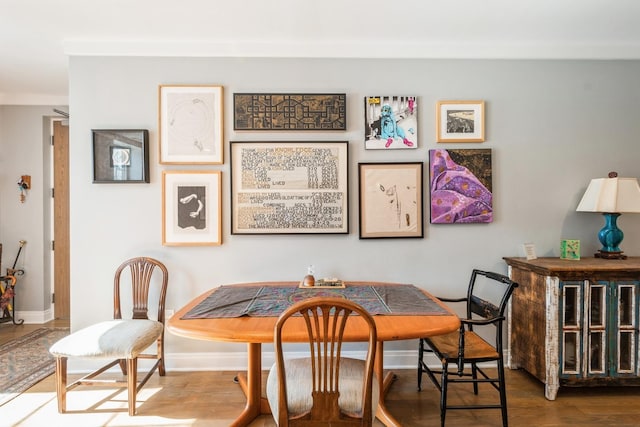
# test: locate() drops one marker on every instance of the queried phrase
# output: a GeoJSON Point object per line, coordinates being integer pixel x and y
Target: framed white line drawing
{"type": "Point", "coordinates": [191, 124]}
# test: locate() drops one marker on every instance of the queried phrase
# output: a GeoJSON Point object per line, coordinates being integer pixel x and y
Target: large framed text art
{"type": "Point", "coordinates": [460, 121]}
{"type": "Point", "coordinates": [461, 186]}
{"type": "Point", "coordinates": [191, 208]}
{"type": "Point", "coordinates": [289, 111]}
{"type": "Point", "coordinates": [191, 124]}
{"type": "Point", "coordinates": [289, 187]}
{"type": "Point", "coordinates": [120, 156]}
{"type": "Point", "coordinates": [390, 122]}
{"type": "Point", "coordinates": [390, 200]}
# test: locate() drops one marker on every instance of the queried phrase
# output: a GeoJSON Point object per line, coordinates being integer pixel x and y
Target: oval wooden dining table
{"type": "Point", "coordinates": [258, 330]}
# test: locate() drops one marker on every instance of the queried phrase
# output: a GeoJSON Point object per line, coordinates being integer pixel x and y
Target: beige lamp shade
{"type": "Point", "coordinates": [613, 195]}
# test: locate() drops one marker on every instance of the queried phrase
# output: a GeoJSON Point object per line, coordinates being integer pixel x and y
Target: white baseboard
{"type": "Point", "coordinates": [34, 317]}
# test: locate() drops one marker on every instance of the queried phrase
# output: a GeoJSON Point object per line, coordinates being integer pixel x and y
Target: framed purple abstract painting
{"type": "Point", "coordinates": [460, 186]}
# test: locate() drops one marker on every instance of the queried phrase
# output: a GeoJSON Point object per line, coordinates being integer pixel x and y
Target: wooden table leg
{"type": "Point", "coordinates": [252, 386]}
{"type": "Point", "coordinates": [384, 384]}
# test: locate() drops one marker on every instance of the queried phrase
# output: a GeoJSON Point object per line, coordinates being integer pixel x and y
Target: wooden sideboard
{"type": "Point", "coordinates": [575, 322]}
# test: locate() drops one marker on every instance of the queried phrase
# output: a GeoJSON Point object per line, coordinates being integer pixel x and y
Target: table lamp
{"type": "Point", "coordinates": [611, 196]}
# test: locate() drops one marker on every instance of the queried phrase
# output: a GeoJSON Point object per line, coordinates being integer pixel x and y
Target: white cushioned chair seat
{"type": "Point", "coordinates": [116, 339]}
{"type": "Point", "coordinates": [299, 386]}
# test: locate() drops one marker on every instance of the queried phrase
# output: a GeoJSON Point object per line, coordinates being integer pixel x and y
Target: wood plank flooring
{"type": "Point", "coordinates": [212, 399]}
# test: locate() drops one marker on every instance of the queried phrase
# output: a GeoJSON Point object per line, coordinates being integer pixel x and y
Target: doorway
{"type": "Point", "coordinates": [60, 244]}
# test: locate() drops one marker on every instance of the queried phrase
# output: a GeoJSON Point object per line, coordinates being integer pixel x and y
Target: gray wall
{"type": "Point", "coordinates": [25, 150]}
{"type": "Point", "coordinates": [552, 126]}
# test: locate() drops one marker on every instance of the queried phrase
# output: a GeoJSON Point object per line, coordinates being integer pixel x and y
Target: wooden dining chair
{"type": "Point", "coordinates": [486, 300]}
{"type": "Point", "coordinates": [122, 340]}
{"type": "Point", "coordinates": [324, 388]}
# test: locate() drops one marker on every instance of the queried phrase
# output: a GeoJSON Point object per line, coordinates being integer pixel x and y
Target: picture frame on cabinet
{"type": "Point", "coordinates": [390, 200]}
{"type": "Point", "coordinates": [191, 124]}
{"type": "Point", "coordinates": [289, 187]}
{"type": "Point", "coordinates": [460, 121]}
{"type": "Point", "coordinates": [191, 208]}
{"type": "Point", "coordinates": [120, 155]}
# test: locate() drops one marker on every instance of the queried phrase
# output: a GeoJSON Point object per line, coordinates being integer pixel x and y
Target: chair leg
{"type": "Point", "coordinates": [503, 394]}
{"type": "Point", "coordinates": [132, 384]}
{"type": "Point", "coordinates": [61, 383]}
{"type": "Point", "coordinates": [443, 393]}
{"type": "Point", "coordinates": [420, 355]}
{"type": "Point", "coordinates": [474, 375]}
{"type": "Point", "coordinates": [161, 369]}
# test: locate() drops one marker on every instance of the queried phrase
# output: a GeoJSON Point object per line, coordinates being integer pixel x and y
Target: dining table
{"type": "Point", "coordinates": [247, 313]}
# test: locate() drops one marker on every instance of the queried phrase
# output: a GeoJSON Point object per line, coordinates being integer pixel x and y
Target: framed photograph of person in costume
{"type": "Point", "coordinates": [390, 122]}
{"type": "Point", "coordinates": [460, 121]}
{"type": "Point", "coordinates": [191, 208]}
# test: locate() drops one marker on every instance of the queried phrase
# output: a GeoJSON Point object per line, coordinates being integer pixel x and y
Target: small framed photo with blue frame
{"type": "Point", "coordinates": [120, 156]}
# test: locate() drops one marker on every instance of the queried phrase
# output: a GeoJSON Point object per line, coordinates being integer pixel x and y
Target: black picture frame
{"type": "Point", "coordinates": [120, 156]}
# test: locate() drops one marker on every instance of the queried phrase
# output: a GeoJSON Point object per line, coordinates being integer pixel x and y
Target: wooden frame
{"type": "Point", "coordinates": [289, 187]}
{"type": "Point", "coordinates": [191, 124]}
{"type": "Point", "coordinates": [460, 121]}
{"type": "Point", "coordinates": [290, 111]}
{"type": "Point", "coordinates": [391, 200]}
{"type": "Point", "coordinates": [120, 155]}
{"type": "Point", "coordinates": [191, 208]}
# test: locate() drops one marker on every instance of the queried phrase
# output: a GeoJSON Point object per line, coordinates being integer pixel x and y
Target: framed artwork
{"type": "Point", "coordinates": [289, 111]}
{"type": "Point", "coordinates": [289, 187]}
{"type": "Point", "coordinates": [390, 200]}
{"type": "Point", "coordinates": [120, 155]}
{"type": "Point", "coordinates": [191, 124]}
{"type": "Point", "coordinates": [390, 122]}
{"type": "Point", "coordinates": [460, 121]}
{"type": "Point", "coordinates": [460, 186]}
{"type": "Point", "coordinates": [191, 208]}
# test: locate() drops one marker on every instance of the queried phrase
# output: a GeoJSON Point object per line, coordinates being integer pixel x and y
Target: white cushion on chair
{"type": "Point", "coordinates": [117, 339]}
{"type": "Point", "coordinates": [299, 385]}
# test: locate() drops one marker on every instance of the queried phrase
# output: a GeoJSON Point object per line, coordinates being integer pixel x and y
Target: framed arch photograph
{"type": "Point", "coordinates": [460, 121]}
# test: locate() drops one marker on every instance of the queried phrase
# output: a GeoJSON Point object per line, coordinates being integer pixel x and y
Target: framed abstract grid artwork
{"type": "Point", "coordinates": [290, 111]}
{"type": "Point", "coordinates": [460, 186]}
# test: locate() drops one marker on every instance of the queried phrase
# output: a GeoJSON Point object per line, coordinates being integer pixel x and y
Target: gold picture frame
{"type": "Point", "coordinates": [191, 124]}
{"type": "Point", "coordinates": [191, 208]}
{"type": "Point", "coordinates": [460, 121]}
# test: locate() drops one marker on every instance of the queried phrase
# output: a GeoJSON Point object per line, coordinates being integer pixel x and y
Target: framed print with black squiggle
{"type": "Point", "coordinates": [191, 208]}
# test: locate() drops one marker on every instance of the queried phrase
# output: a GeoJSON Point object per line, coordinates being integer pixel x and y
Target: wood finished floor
{"type": "Point", "coordinates": [212, 399]}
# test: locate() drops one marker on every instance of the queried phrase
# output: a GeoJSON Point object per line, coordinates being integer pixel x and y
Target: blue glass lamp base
{"type": "Point", "coordinates": [610, 237]}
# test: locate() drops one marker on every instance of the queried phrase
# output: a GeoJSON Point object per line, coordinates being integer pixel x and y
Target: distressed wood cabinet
{"type": "Point", "coordinates": [575, 323]}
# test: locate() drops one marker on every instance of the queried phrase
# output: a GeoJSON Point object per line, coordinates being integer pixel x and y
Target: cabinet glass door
{"type": "Point", "coordinates": [626, 327]}
{"type": "Point", "coordinates": [570, 326]}
{"type": "Point", "coordinates": [597, 324]}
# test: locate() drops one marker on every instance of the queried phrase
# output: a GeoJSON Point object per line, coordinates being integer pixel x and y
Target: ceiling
{"type": "Point", "coordinates": [37, 37]}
